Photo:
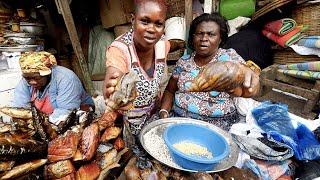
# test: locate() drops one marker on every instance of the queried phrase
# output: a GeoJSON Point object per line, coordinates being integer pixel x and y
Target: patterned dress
{"type": "Point", "coordinates": [148, 88]}
{"type": "Point", "coordinates": [215, 107]}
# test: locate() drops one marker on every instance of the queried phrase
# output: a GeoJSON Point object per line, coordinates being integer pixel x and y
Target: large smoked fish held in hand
{"type": "Point", "coordinates": [219, 76]}
{"type": "Point", "coordinates": [236, 78]}
{"type": "Point", "coordinates": [125, 92]}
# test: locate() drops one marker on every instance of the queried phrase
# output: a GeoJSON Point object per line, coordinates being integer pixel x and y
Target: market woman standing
{"type": "Point", "coordinates": [144, 50]}
{"type": "Point", "coordinates": [207, 33]}
{"type": "Point", "coordinates": [54, 90]}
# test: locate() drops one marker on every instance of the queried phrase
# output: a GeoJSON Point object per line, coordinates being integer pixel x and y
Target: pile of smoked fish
{"type": "Point", "coordinates": [30, 148]}
{"type": "Point", "coordinates": [81, 147]}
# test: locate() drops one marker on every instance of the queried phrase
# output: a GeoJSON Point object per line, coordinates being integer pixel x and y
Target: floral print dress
{"type": "Point", "coordinates": [215, 107]}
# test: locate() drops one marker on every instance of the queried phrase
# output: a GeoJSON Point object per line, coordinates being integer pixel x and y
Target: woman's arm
{"type": "Point", "coordinates": [168, 97]}
{"type": "Point", "coordinates": [22, 95]}
{"type": "Point", "coordinates": [116, 66]}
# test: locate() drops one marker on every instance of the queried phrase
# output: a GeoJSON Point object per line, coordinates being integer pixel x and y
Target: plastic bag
{"type": "Point", "coordinates": [275, 121]}
{"type": "Point", "coordinates": [274, 117]}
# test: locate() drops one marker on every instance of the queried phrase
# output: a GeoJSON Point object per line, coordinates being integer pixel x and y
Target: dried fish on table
{"type": "Point", "coordinates": [118, 144]}
{"type": "Point", "coordinates": [71, 176]}
{"type": "Point", "coordinates": [104, 172]}
{"type": "Point", "coordinates": [63, 147]}
{"type": "Point", "coordinates": [107, 158]}
{"type": "Point", "coordinates": [15, 149]}
{"type": "Point", "coordinates": [89, 171]}
{"type": "Point", "coordinates": [132, 172]}
{"type": "Point", "coordinates": [85, 118]}
{"type": "Point", "coordinates": [24, 169]}
{"type": "Point", "coordinates": [34, 175]}
{"type": "Point", "coordinates": [89, 141]}
{"type": "Point", "coordinates": [145, 173]}
{"type": "Point", "coordinates": [23, 124]}
{"type": "Point", "coordinates": [104, 147]}
{"type": "Point", "coordinates": [6, 165]}
{"type": "Point", "coordinates": [77, 156]}
{"type": "Point", "coordinates": [19, 134]}
{"type": "Point", "coordinates": [69, 121]}
{"type": "Point", "coordinates": [110, 133]}
{"type": "Point", "coordinates": [107, 120]}
{"type": "Point", "coordinates": [202, 176]}
{"type": "Point", "coordinates": [165, 170]}
{"type": "Point", "coordinates": [20, 113]}
{"type": "Point", "coordinates": [37, 123]}
{"type": "Point", "coordinates": [59, 169]}
{"type": "Point", "coordinates": [5, 127]}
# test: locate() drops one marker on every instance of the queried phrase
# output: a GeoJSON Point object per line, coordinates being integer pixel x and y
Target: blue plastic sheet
{"type": "Point", "coordinates": [274, 119]}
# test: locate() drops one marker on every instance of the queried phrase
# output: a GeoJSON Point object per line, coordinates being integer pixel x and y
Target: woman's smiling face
{"type": "Point", "coordinates": [148, 24]}
{"type": "Point", "coordinates": [206, 38]}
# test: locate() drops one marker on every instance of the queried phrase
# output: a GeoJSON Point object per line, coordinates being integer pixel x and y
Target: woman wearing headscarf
{"type": "Point", "coordinates": [52, 89]}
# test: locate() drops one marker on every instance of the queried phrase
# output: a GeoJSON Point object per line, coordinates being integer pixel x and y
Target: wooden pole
{"type": "Point", "coordinates": [64, 9]}
{"type": "Point", "coordinates": [188, 16]}
{"type": "Point", "coordinates": [215, 5]}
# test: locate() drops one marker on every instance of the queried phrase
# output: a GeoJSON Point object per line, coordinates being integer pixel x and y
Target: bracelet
{"type": "Point", "coordinates": [164, 110]}
{"type": "Point", "coordinates": [253, 66]}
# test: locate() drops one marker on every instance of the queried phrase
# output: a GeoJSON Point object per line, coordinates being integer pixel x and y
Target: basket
{"type": "Point", "coordinates": [289, 56]}
{"type": "Point", "coordinates": [308, 14]}
{"type": "Point", "coordinates": [175, 8]}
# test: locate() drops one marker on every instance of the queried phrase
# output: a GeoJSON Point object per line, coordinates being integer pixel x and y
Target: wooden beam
{"type": "Point", "coordinates": [308, 94]}
{"type": "Point", "coordinates": [188, 15]}
{"type": "Point", "coordinates": [215, 5]}
{"type": "Point", "coordinates": [64, 9]}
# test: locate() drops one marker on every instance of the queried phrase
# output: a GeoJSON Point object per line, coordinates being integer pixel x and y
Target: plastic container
{"type": "Point", "coordinates": [231, 9]}
{"type": "Point", "coordinates": [175, 28]}
{"type": "Point", "coordinates": [197, 134]}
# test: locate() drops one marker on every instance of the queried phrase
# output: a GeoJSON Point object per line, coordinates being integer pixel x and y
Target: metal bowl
{"type": "Point", "coordinates": [20, 48]}
{"type": "Point", "coordinates": [21, 38]}
{"type": "Point", "coordinates": [33, 28]}
{"type": "Point", "coordinates": [160, 151]}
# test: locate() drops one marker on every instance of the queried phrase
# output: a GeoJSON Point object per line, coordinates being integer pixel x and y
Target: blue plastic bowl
{"type": "Point", "coordinates": [197, 134]}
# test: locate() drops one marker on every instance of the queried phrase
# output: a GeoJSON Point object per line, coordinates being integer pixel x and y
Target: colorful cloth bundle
{"type": "Point", "coordinates": [284, 31]}
{"type": "Point", "coordinates": [281, 26]}
{"type": "Point", "coordinates": [308, 70]}
{"type": "Point", "coordinates": [308, 66]}
{"type": "Point", "coordinates": [310, 41]}
{"type": "Point", "coordinates": [312, 75]}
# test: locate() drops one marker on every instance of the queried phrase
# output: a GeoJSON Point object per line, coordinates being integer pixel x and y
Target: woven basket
{"type": "Point", "coordinates": [308, 14]}
{"type": "Point", "coordinates": [175, 8]}
{"type": "Point", "coordinates": [289, 56]}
